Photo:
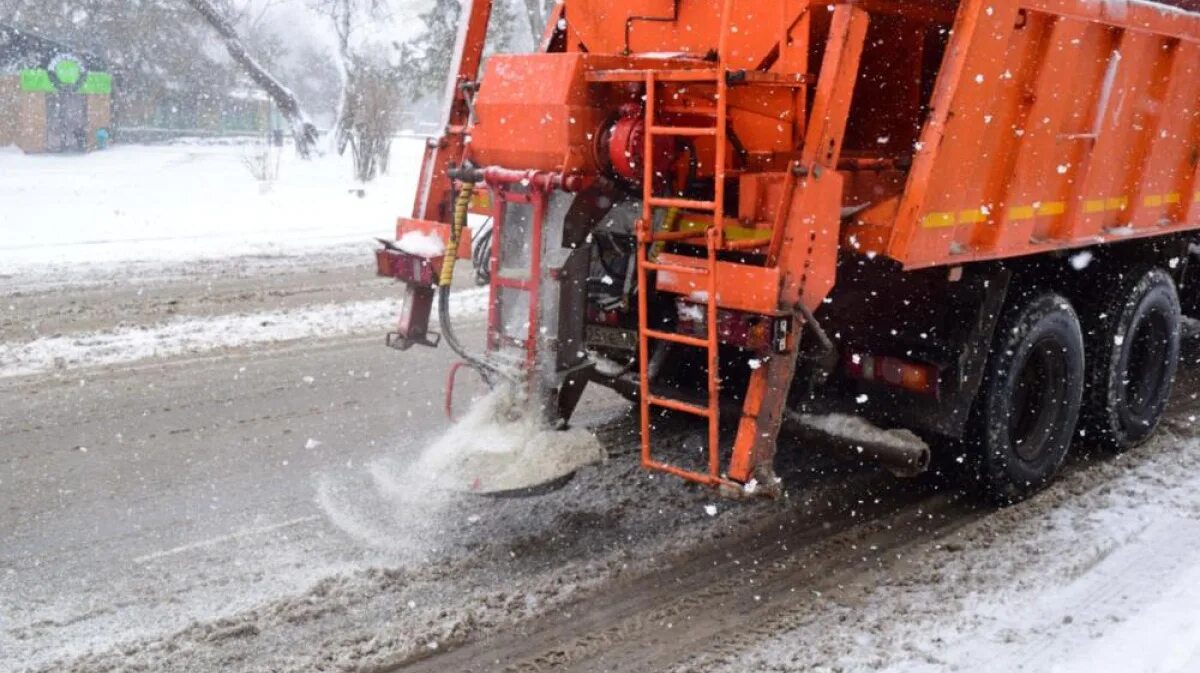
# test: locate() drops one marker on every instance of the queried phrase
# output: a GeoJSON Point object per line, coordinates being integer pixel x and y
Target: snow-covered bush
{"type": "Point", "coordinates": [262, 160]}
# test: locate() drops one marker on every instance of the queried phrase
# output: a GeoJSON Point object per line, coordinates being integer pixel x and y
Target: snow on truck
{"type": "Point", "coordinates": [976, 220]}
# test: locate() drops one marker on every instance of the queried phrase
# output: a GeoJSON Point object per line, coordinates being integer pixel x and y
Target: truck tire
{"type": "Point", "coordinates": [1030, 399]}
{"type": "Point", "coordinates": [1133, 354]}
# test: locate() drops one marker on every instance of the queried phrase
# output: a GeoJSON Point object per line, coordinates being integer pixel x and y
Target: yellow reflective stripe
{"type": "Point", "coordinates": [1102, 204]}
{"type": "Point", "coordinates": [972, 216]}
{"type": "Point", "coordinates": [1042, 209]}
{"type": "Point", "coordinates": [937, 220]}
{"type": "Point", "coordinates": [1021, 212]}
{"type": "Point", "coordinates": [1156, 200]}
{"type": "Point", "coordinates": [1052, 208]}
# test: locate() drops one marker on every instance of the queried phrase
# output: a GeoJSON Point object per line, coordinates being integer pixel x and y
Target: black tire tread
{"type": "Point", "coordinates": [1103, 319]}
{"type": "Point", "coordinates": [1004, 480]}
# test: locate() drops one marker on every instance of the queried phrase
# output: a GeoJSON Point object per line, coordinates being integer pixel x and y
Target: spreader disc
{"type": "Point", "coordinates": [535, 491]}
{"type": "Point", "coordinates": [494, 452]}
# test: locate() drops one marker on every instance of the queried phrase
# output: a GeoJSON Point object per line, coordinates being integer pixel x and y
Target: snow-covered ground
{"type": "Point", "coordinates": [1100, 574]}
{"type": "Point", "coordinates": [188, 212]}
{"type": "Point", "coordinates": [66, 215]}
{"type": "Point", "coordinates": [195, 335]}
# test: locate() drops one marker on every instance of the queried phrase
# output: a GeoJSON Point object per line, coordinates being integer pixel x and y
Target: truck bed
{"type": "Point", "coordinates": [1052, 124]}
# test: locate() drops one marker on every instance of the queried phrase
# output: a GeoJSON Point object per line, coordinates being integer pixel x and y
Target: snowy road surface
{"type": "Point", "coordinates": [171, 474]}
{"type": "Point", "coordinates": [191, 480]}
{"type": "Point", "coordinates": [236, 510]}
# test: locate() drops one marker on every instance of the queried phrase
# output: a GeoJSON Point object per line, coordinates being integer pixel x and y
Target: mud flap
{"type": "Point", "coordinates": [808, 258]}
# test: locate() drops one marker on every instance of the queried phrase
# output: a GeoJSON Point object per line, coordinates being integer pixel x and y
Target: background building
{"type": "Point", "coordinates": [52, 98]}
{"type": "Point", "coordinates": [164, 113]}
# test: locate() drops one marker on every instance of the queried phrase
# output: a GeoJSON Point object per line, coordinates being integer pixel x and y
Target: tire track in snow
{"type": "Point", "coordinates": [705, 596]}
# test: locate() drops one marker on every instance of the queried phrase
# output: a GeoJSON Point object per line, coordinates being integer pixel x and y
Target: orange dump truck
{"type": "Point", "coordinates": [975, 220]}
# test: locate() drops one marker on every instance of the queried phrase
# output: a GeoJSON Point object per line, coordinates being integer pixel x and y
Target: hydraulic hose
{"type": "Point", "coordinates": [461, 206]}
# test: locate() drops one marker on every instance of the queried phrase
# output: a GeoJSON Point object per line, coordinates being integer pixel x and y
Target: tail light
{"type": "Point", "coordinates": [917, 377]}
{"type": "Point", "coordinates": [754, 332]}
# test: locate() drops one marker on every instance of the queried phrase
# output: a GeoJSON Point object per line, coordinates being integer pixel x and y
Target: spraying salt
{"type": "Point", "coordinates": [411, 505]}
{"type": "Point", "coordinates": [500, 446]}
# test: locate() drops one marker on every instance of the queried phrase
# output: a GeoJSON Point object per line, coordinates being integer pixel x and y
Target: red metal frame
{"type": "Point", "coordinates": [537, 197]}
{"type": "Point", "coordinates": [451, 377]}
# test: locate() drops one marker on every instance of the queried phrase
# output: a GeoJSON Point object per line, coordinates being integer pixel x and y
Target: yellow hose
{"type": "Point", "coordinates": [462, 206]}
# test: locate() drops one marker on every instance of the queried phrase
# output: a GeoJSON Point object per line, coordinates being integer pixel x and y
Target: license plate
{"type": "Point", "coordinates": [611, 337]}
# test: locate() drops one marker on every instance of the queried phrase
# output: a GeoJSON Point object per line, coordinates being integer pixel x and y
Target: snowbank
{"type": "Point", "coordinates": [191, 201]}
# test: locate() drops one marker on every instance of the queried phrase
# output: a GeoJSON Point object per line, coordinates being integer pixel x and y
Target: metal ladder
{"type": "Point", "coordinates": [714, 235]}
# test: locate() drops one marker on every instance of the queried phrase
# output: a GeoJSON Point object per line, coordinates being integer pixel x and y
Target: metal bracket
{"type": "Point", "coordinates": [401, 342]}
{"type": "Point", "coordinates": [451, 376]}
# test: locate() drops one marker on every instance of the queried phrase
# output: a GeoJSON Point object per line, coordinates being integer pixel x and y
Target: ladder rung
{"type": "Point", "coordinates": [675, 268]}
{"type": "Point", "coordinates": [686, 204]}
{"type": "Point", "coordinates": [683, 131]}
{"type": "Point", "coordinates": [701, 477]}
{"type": "Point", "coordinates": [675, 337]}
{"type": "Point", "coordinates": [676, 405]}
{"type": "Point", "coordinates": [524, 285]}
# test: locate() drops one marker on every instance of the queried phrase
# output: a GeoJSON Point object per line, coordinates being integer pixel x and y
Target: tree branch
{"type": "Point", "coordinates": [303, 130]}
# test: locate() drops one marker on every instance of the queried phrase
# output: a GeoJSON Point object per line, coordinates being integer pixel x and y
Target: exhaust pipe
{"type": "Point", "coordinates": [900, 451]}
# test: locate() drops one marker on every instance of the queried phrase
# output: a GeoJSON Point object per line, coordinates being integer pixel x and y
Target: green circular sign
{"type": "Point", "coordinates": [68, 71]}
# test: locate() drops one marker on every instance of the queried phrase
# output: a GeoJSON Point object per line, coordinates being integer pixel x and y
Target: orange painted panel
{"type": "Point", "coordinates": [1171, 161]}
{"type": "Point", "coordinates": [604, 27]}
{"type": "Point", "coordinates": [533, 112]}
{"type": "Point", "coordinates": [1053, 124]}
{"type": "Point", "coordinates": [968, 114]}
{"type": "Point", "coordinates": [741, 287]}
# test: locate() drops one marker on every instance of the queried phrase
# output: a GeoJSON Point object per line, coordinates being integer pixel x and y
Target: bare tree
{"type": "Point", "coordinates": [390, 57]}
{"type": "Point", "coordinates": [371, 106]}
{"type": "Point", "coordinates": [373, 82]}
{"type": "Point", "coordinates": [303, 131]}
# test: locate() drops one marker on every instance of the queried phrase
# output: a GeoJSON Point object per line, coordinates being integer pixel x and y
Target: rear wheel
{"type": "Point", "coordinates": [1133, 354]}
{"type": "Point", "coordinates": [1029, 403]}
